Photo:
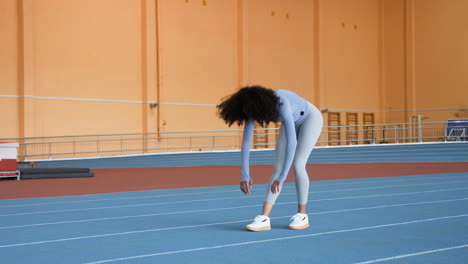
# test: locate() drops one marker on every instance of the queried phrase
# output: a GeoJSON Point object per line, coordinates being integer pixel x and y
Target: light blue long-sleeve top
{"type": "Point", "coordinates": [292, 110]}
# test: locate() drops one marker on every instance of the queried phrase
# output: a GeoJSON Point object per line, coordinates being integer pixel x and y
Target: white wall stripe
{"type": "Point", "coordinates": [220, 223]}
{"type": "Point", "coordinates": [413, 254]}
{"type": "Point", "coordinates": [313, 183]}
{"type": "Point", "coordinates": [277, 239]}
{"type": "Point", "coordinates": [187, 104]}
{"type": "Point", "coordinates": [77, 99]}
{"type": "Point", "coordinates": [99, 100]}
{"type": "Point", "coordinates": [224, 208]}
{"type": "Point", "coordinates": [225, 198]}
{"type": "Point", "coordinates": [211, 105]}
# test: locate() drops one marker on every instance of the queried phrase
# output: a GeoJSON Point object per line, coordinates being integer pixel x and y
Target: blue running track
{"type": "Point", "coordinates": [411, 219]}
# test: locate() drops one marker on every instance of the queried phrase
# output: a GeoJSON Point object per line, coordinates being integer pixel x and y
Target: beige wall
{"type": "Point", "coordinates": [279, 45]}
{"type": "Point", "coordinates": [440, 54]}
{"type": "Point", "coordinates": [350, 49]}
{"type": "Point", "coordinates": [78, 54]}
{"type": "Point", "coordinates": [8, 69]}
{"type": "Point", "coordinates": [94, 66]}
{"type": "Point", "coordinates": [198, 56]}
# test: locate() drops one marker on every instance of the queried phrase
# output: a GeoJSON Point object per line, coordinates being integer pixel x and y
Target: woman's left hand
{"type": "Point", "coordinates": [275, 187]}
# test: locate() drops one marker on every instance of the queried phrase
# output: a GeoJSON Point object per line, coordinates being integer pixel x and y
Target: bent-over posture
{"type": "Point", "coordinates": [301, 125]}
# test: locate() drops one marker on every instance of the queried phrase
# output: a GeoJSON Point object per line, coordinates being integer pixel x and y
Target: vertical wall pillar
{"type": "Point", "coordinates": [381, 58]}
{"type": "Point", "coordinates": [149, 67]}
{"type": "Point", "coordinates": [242, 40]}
{"type": "Point", "coordinates": [157, 60]}
{"type": "Point", "coordinates": [410, 63]}
{"type": "Point", "coordinates": [317, 69]}
{"type": "Point", "coordinates": [144, 67]}
{"type": "Point", "coordinates": [20, 67]}
{"type": "Point", "coordinates": [239, 43]}
{"type": "Point", "coordinates": [26, 67]}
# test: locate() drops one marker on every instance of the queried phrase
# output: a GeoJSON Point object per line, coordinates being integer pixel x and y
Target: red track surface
{"type": "Point", "coordinates": [139, 179]}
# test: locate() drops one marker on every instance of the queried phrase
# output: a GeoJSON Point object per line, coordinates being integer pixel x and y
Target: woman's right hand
{"type": "Point", "coordinates": [245, 186]}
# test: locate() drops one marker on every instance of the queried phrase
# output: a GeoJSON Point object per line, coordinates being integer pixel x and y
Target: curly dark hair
{"type": "Point", "coordinates": [250, 102]}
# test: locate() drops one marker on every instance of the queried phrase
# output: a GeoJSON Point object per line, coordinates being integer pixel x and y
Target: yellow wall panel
{"type": "Point", "coordinates": [350, 54]}
{"type": "Point", "coordinates": [9, 123]}
{"type": "Point", "coordinates": [371, 55]}
{"type": "Point", "coordinates": [87, 49]}
{"type": "Point", "coordinates": [441, 53]}
{"type": "Point", "coordinates": [64, 117]}
{"type": "Point", "coordinates": [8, 47]}
{"type": "Point", "coordinates": [280, 45]}
{"type": "Point", "coordinates": [198, 50]}
{"type": "Point", "coordinates": [196, 118]}
{"type": "Point", "coordinates": [8, 117]}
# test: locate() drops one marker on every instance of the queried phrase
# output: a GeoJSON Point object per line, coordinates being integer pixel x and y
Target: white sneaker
{"type": "Point", "coordinates": [260, 223]}
{"type": "Point", "coordinates": [299, 221]}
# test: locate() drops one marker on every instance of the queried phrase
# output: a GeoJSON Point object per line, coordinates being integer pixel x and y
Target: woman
{"type": "Point", "coordinates": [301, 125]}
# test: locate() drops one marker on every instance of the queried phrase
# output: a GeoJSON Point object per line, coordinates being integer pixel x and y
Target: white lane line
{"type": "Point", "coordinates": [117, 199]}
{"type": "Point", "coordinates": [277, 239]}
{"type": "Point", "coordinates": [222, 223]}
{"type": "Point", "coordinates": [413, 254]}
{"type": "Point", "coordinates": [313, 184]}
{"type": "Point", "coordinates": [212, 199]}
{"type": "Point", "coordinates": [223, 208]}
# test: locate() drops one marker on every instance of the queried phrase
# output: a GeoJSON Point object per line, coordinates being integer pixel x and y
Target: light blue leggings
{"type": "Point", "coordinates": [307, 135]}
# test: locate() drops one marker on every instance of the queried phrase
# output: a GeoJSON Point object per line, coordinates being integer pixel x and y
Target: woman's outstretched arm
{"type": "Point", "coordinates": [245, 151]}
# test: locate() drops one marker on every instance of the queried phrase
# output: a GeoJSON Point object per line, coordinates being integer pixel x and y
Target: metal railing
{"type": "Point", "coordinates": [37, 148]}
